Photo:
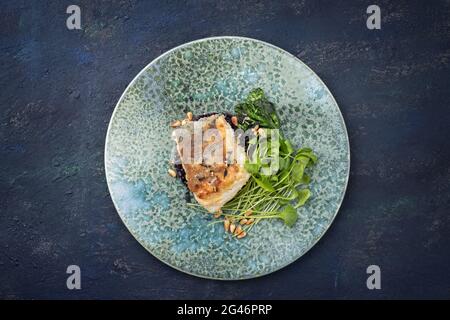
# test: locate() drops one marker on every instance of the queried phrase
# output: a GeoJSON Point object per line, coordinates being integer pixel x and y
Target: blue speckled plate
{"type": "Point", "coordinates": [212, 75]}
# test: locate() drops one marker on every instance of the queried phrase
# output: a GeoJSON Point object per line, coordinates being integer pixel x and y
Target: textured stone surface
{"type": "Point", "coordinates": [59, 88]}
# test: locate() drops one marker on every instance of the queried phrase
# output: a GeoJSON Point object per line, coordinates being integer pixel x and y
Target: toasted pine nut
{"type": "Point", "coordinates": [242, 234]}
{"type": "Point", "coordinates": [189, 116]}
{"type": "Point", "coordinates": [234, 120]}
{"type": "Point", "coordinates": [238, 230]}
{"type": "Point", "coordinates": [218, 213]}
{"type": "Point", "coordinates": [176, 123]}
{"type": "Point", "coordinates": [226, 225]}
{"type": "Point", "coordinates": [248, 213]}
{"type": "Point", "coordinates": [172, 173]}
{"type": "Point", "coordinates": [243, 221]}
{"type": "Point", "coordinates": [250, 221]}
{"type": "Point", "coordinates": [232, 227]}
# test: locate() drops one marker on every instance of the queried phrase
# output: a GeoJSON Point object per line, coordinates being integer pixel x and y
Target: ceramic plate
{"type": "Point", "coordinates": [212, 75]}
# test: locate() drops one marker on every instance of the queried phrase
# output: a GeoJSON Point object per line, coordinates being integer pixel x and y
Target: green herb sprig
{"type": "Point", "coordinates": [269, 196]}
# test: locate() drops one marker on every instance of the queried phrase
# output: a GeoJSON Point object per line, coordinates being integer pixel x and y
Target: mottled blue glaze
{"type": "Point", "coordinates": [212, 75]}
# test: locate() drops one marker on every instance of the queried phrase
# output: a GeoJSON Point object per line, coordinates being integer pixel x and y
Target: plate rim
{"type": "Point", "coordinates": [132, 82]}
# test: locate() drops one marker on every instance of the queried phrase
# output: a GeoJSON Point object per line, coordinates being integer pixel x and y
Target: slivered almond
{"type": "Point", "coordinates": [234, 120]}
{"type": "Point", "coordinates": [232, 227]}
{"type": "Point", "coordinates": [250, 221]}
{"type": "Point", "coordinates": [189, 116]}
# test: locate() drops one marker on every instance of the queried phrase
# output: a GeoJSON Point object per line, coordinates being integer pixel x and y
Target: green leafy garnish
{"type": "Point", "coordinates": [298, 168]}
{"type": "Point", "coordinates": [286, 147]}
{"type": "Point", "coordinates": [275, 193]}
{"type": "Point", "coordinates": [302, 197]}
{"type": "Point", "coordinates": [252, 168]}
{"type": "Point", "coordinates": [306, 152]}
{"type": "Point", "coordinates": [259, 110]}
{"type": "Point", "coordinates": [288, 215]}
{"type": "Point", "coordinates": [264, 183]}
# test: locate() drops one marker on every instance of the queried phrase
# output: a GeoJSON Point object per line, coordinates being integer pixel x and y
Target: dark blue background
{"type": "Point", "coordinates": [59, 88]}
